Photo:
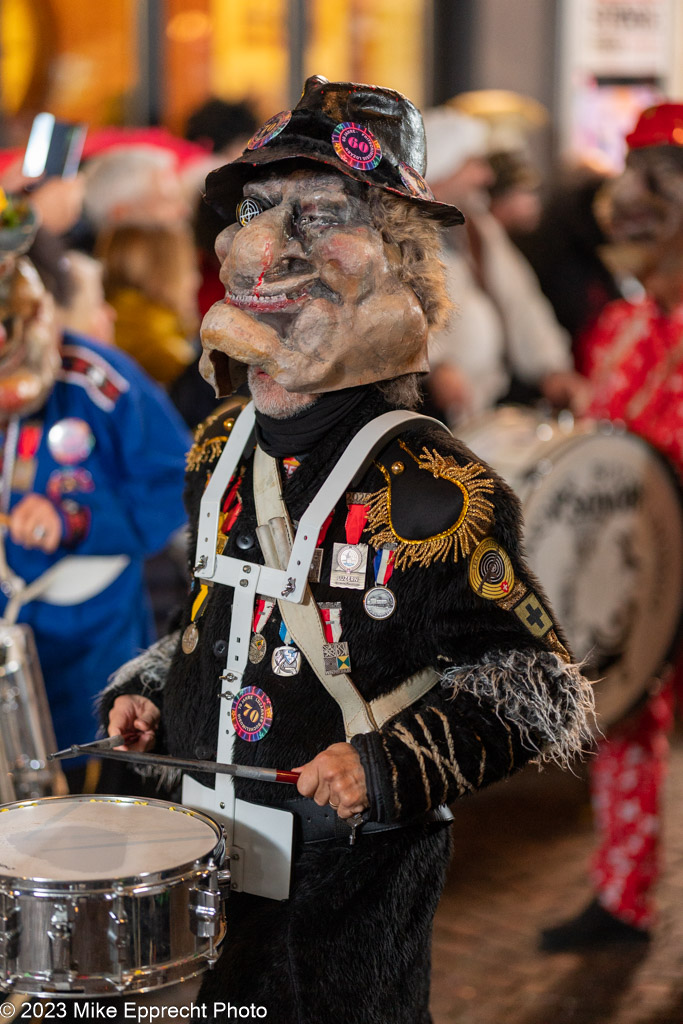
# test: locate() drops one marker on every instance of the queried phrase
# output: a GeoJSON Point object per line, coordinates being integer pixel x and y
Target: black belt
{"type": "Point", "coordinates": [316, 824]}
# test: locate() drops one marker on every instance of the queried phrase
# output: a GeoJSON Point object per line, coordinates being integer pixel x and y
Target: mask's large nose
{"type": "Point", "coordinates": [258, 248]}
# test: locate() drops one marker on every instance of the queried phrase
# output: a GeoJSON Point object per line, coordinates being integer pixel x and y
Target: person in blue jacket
{"type": "Point", "coordinates": [93, 457]}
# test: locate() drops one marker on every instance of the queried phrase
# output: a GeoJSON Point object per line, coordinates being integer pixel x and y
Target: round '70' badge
{"type": "Point", "coordinates": [252, 714]}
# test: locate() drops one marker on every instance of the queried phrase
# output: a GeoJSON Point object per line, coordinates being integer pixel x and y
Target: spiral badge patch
{"type": "Point", "coordinates": [252, 714]}
{"type": "Point", "coordinates": [491, 572]}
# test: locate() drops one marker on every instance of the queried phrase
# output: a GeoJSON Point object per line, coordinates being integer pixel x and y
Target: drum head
{"type": "Point", "coordinates": [83, 839]}
{"type": "Point", "coordinates": [604, 533]}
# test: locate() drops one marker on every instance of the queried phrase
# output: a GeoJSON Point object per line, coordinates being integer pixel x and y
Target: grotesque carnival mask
{"type": "Point", "coordinates": [29, 340]}
{"type": "Point", "coordinates": [316, 292]}
{"type": "Point", "coordinates": [642, 209]}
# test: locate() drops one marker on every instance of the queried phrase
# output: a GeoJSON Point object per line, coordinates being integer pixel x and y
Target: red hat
{"type": "Point", "coordinates": [658, 126]}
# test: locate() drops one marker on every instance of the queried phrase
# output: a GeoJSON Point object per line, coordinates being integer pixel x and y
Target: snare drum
{"type": "Point", "coordinates": [603, 531]}
{"type": "Point", "coordinates": [107, 894]}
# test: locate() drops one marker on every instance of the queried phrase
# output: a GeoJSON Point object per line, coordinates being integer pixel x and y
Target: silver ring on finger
{"type": "Point", "coordinates": [39, 532]}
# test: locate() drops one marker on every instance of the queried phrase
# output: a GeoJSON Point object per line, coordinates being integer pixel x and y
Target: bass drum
{"type": "Point", "coordinates": [604, 533]}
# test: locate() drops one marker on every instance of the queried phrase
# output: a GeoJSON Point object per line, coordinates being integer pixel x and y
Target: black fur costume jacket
{"type": "Point", "coordinates": [467, 605]}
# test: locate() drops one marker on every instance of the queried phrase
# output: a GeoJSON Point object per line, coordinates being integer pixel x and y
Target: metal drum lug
{"type": "Point", "coordinates": [10, 931]}
{"type": "Point", "coordinates": [60, 934]}
{"type": "Point", "coordinates": [206, 906]}
{"type": "Point", "coordinates": [224, 880]}
{"type": "Point", "coordinates": [117, 933]}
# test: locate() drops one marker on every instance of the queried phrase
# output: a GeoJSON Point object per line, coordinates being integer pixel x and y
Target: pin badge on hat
{"type": "Point", "coordinates": [414, 182]}
{"type": "Point", "coordinates": [247, 209]}
{"type": "Point", "coordinates": [70, 441]}
{"type": "Point", "coordinates": [273, 126]}
{"type": "Point", "coordinates": [356, 146]}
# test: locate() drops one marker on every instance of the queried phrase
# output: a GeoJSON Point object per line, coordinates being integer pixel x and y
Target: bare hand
{"type": "Point", "coordinates": [450, 389]}
{"type": "Point", "coordinates": [335, 777]}
{"type": "Point", "coordinates": [59, 202]}
{"type": "Point", "coordinates": [568, 390]}
{"type": "Point", "coordinates": [34, 523]}
{"type": "Point", "coordinates": [136, 719]}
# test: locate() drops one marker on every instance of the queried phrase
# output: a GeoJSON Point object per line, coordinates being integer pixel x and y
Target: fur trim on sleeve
{"type": "Point", "coordinates": [146, 676]}
{"type": "Point", "coordinates": [150, 668]}
{"type": "Point", "coordinates": [550, 701]}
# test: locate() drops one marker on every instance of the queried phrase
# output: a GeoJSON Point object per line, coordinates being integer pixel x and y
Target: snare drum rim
{"type": "Point", "coordinates": [15, 885]}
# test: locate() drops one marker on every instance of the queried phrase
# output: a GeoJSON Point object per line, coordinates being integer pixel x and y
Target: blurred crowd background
{"type": "Point", "coordinates": [527, 105]}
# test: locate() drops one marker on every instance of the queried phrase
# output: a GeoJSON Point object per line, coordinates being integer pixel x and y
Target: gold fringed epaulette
{"type": "Point", "coordinates": [432, 506]}
{"type": "Point", "coordinates": [212, 434]}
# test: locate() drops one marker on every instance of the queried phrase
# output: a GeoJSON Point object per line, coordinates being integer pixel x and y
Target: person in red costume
{"type": "Point", "coordinates": [634, 359]}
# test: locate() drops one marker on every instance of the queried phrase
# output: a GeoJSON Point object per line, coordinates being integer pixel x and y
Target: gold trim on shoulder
{"type": "Point", "coordinates": [210, 449]}
{"type": "Point", "coordinates": [474, 520]}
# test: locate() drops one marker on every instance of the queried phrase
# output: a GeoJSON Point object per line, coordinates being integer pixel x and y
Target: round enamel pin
{"type": "Point", "coordinates": [247, 209]}
{"type": "Point", "coordinates": [252, 714]}
{"type": "Point", "coordinates": [414, 182]}
{"type": "Point", "coordinates": [70, 441]}
{"type": "Point", "coordinates": [356, 146]}
{"type": "Point", "coordinates": [379, 602]}
{"type": "Point", "coordinates": [491, 572]}
{"type": "Point", "coordinates": [273, 126]}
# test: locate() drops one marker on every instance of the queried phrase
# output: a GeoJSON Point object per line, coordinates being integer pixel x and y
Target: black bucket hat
{"type": "Point", "coordinates": [372, 134]}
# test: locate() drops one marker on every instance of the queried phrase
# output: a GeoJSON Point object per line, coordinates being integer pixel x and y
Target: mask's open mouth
{"type": "Point", "coordinates": [275, 303]}
{"type": "Point", "coordinates": [221, 371]}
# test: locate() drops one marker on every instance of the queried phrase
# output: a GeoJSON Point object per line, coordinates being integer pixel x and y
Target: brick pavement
{"type": "Point", "coordinates": [519, 864]}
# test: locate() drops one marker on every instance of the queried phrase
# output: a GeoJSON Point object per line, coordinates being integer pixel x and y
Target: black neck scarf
{"type": "Point", "coordinates": [299, 434]}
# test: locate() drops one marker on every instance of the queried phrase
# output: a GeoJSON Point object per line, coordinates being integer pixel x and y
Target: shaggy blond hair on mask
{"type": "Point", "coordinates": [418, 239]}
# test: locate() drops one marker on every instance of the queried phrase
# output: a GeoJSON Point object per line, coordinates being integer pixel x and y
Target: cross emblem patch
{"type": "Point", "coordinates": [533, 615]}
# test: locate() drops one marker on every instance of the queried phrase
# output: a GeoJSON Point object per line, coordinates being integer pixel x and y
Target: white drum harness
{"type": "Point", "coordinates": [259, 837]}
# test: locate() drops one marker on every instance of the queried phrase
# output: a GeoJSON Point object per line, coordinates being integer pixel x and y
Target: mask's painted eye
{"type": "Point", "coordinates": [249, 208]}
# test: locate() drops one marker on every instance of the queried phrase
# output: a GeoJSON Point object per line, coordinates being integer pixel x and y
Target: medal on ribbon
{"type": "Point", "coordinates": [286, 660]}
{"type": "Point", "coordinates": [335, 653]}
{"type": "Point", "coordinates": [258, 645]}
{"type": "Point", "coordinates": [380, 602]}
{"type": "Point", "coordinates": [190, 637]}
{"type": "Point", "coordinates": [350, 560]}
{"type": "Point", "coordinates": [316, 566]}
{"type": "Point", "coordinates": [230, 509]}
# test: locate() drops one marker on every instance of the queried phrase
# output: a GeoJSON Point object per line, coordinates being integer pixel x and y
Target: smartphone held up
{"type": "Point", "coordinates": [54, 148]}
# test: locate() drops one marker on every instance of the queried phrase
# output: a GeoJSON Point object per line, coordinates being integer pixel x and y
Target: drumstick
{"type": "Point", "coordinates": [4, 519]}
{"type": "Point", "coordinates": [75, 749]}
{"type": "Point", "coordinates": [240, 771]}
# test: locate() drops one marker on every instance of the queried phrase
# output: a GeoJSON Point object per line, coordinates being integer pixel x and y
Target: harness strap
{"type": "Point", "coordinates": [304, 623]}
